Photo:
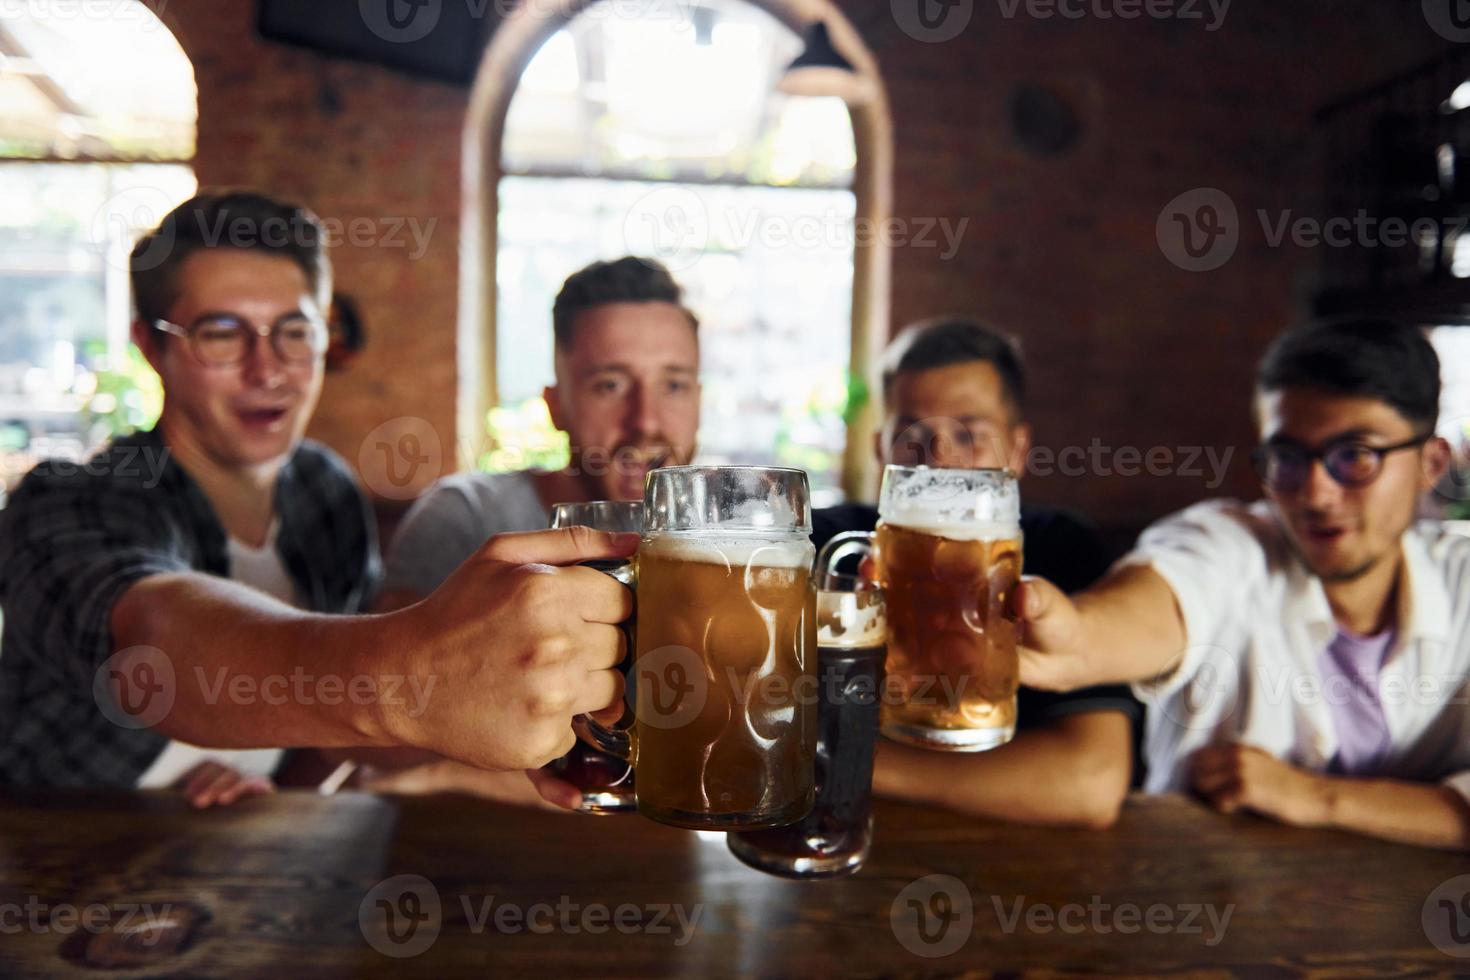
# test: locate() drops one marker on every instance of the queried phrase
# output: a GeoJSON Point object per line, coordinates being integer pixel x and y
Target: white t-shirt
{"type": "Point", "coordinates": [1257, 621]}
{"type": "Point", "coordinates": [260, 568]}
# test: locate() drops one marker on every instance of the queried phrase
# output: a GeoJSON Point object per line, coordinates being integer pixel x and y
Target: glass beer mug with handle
{"type": "Point", "coordinates": [834, 839]}
{"type": "Point", "coordinates": [606, 781]}
{"type": "Point", "coordinates": [947, 553]}
{"type": "Point", "coordinates": [725, 719]}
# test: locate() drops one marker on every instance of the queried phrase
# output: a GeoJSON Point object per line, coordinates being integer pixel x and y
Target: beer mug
{"type": "Point", "coordinates": [725, 719]}
{"type": "Point", "coordinates": [834, 839]}
{"type": "Point", "coordinates": [947, 553]}
{"type": "Point", "coordinates": [606, 781]}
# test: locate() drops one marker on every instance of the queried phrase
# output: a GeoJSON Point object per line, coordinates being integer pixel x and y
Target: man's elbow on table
{"type": "Point", "coordinates": [1092, 765]}
{"type": "Point", "coordinates": [1071, 772]}
{"type": "Point", "coordinates": [1077, 793]}
{"type": "Point", "coordinates": [1459, 806]}
{"type": "Point", "coordinates": [1101, 791]}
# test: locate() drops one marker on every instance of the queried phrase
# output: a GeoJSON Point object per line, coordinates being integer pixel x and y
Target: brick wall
{"type": "Point", "coordinates": [1125, 348]}
{"type": "Point", "coordinates": [352, 142]}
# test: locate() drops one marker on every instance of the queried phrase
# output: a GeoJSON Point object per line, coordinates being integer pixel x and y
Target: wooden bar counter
{"type": "Point", "coordinates": [295, 885]}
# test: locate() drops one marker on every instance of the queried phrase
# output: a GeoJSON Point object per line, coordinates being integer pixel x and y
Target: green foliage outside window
{"type": "Point", "coordinates": [522, 437]}
{"type": "Point", "coordinates": [128, 397]}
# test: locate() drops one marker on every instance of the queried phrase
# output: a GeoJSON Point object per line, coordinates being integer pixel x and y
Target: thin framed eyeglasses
{"type": "Point", "coordinates": [220, 340]}
{"type": "Point", "coordinates": [1284, 466]}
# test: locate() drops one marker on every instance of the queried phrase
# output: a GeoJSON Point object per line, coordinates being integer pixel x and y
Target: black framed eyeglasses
{"type": "Point", "coordinates": [1284, 466]}
{"type": "Point", "coordinates": [222, 339]}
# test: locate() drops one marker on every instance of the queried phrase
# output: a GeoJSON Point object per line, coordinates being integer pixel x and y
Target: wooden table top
{"type": "Point", "coordinates": [295, 885]}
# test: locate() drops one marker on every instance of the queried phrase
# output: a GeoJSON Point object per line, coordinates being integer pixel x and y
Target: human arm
{"type": "Point", "coordinates": [411, 772]}
{"type": "Point", "coordinates": [488, 670]}
{"type": "Point", "coordinates": [1072, 770]}
{"type": "Point", "coordinates": [1127, 627]}
{"type": "Point", "coordinates": [1233, 777]}
{"type": "Point", "coordinates": [1151, 619]}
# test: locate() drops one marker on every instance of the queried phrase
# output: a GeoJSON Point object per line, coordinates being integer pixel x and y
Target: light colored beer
{"type": "Point", "coordinates": [952, 662]}
{"type": "Point", "coordinates": [726, 725]}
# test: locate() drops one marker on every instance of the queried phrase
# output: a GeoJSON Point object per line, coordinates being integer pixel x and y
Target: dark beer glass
{"type": "Point", "coordinates": [834, 839]}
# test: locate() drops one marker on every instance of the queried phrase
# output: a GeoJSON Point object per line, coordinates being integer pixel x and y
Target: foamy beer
{"type": "Point", "coordinates": [947, 553]}
{"type": "Point", "coordinates": [724, 681]}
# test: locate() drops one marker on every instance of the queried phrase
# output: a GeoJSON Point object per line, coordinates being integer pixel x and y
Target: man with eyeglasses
{"type": "Point", "coordinates": [180, 596]}
{"type": "Point", "coordinates": [1304, 657]}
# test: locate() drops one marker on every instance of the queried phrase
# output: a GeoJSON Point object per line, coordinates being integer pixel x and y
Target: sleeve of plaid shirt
{"type": "Point", "coordinates": [70, 545]}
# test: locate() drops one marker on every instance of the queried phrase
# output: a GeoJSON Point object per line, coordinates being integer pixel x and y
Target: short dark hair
{"type": "Point", "coordinates": [1365, 357]}
{"type": "Point", "coordinates": [626, 280]}
{"type": "Point", "coordinates": [950, 340]}
{"type": "Point", "coordinates": [242, 220]}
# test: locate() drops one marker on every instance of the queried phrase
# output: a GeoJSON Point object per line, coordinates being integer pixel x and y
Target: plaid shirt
{"type": "Point", "coordinates": [76, 536]}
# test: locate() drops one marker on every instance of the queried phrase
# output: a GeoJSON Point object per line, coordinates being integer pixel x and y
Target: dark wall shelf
{"type": "Point", "coordinates": [1401, 150]}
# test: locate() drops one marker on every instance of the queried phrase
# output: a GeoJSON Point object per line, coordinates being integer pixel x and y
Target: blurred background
{"type": "Point", "coordinates": [1131, 190]}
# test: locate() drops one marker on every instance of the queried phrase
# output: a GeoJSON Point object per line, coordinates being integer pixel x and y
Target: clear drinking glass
{"type": "Point", "coordinates": [725, 722]}
{"type": "Point", "coordinates": [605, 780]}
{"type": "Point", "coordinates": [947, 552]}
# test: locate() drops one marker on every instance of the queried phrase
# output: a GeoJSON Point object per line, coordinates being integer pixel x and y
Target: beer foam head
{"type": "Point", "coordinates": [851, 619]}
{"type": "Point", "coordinates": [959, 504]}
{"type": "Point", "coordinates": [771, 551]}
{"type": "Point", "coordinates": [986, 531]}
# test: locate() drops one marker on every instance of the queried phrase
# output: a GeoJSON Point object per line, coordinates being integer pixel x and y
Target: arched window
{"type": "Point", "coordinates": [95, 141]}
{"type": "Point", "coordinates": [596, 134]}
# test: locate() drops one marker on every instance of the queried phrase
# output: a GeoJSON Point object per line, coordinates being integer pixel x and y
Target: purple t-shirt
{"type": "Point", "coordinates": [1350, 667]}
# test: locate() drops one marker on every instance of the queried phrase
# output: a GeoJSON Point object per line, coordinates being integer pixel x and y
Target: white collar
{"type": "Point", "coordinates": [267, 547]}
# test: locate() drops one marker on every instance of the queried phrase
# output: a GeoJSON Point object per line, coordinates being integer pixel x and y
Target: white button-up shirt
{"type": "Point", "coordinates": [1257, 620]}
